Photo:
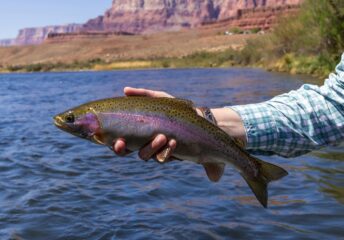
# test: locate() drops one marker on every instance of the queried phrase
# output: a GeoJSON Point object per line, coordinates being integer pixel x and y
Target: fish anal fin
{"type": "Point", "coordinates": [214, 170]}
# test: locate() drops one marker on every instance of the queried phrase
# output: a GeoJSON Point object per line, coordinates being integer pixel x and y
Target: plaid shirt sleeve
{"type": "Point", "coordinates": [298, 122]}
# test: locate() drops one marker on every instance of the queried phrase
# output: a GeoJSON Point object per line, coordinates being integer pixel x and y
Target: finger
{"type": "Point", "coordinates": [129, 91]}
{"type": "Point", "coordinates": [119, 147]}
{"type": "Point", "coordinates": [149, 150]}
{"type": "Point", "coordinates": [165, 155]}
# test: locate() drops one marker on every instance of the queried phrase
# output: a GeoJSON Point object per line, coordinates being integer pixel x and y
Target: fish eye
{"type": "Point", "coordinates": [70, 118]}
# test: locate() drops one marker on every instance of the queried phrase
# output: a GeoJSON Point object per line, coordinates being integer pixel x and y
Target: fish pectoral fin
{"type": "Point", "coordinates": [214, 170]}
{"type": "Point", "coordinates": [97, 138]}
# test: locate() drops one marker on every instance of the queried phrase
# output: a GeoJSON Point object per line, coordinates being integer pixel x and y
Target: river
{"type": "Point", "coordinates": [56, 186]}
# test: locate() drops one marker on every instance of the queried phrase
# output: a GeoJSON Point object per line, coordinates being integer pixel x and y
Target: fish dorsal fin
{"type": "Point", "coordinates": [214, 170]}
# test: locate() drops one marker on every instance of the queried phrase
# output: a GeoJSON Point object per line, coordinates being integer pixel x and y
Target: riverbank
{"type": "Point", "coordinates": [289, 63]}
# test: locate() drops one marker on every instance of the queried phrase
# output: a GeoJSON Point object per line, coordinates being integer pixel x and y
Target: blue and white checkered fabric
{"type": "Point", "coordinates": [298, 122]}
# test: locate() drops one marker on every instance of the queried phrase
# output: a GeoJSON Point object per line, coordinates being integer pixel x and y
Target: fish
{"type": "Point", "coordinates": [138, 119]}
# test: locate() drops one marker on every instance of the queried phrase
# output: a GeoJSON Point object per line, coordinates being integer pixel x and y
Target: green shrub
{"type": "Point", "coordinates": [255, 30]}
{"type": "Point", "coordinates": [309, 42]}
{"type": "Point", "coordinates": [14, 68]}
{"type": "Point", "coordinates": [236, 30]}
{"type": "Point", "coordinates": [33, 67]}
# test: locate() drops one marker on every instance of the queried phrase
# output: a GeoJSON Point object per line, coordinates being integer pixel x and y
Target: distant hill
{"type": "Point", "coordinates": [34, 36]}
{"type": "Point", "coordinates": [7, 42]}
{"type": "Point", "coordinates": [149, 16]}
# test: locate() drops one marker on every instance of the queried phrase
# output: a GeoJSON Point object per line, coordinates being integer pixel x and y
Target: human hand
{"type": "Point", "coordinates": [160, 147]}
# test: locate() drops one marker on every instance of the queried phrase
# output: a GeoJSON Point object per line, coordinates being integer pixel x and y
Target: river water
{"type": "Point", "coordinates": [56, 186]}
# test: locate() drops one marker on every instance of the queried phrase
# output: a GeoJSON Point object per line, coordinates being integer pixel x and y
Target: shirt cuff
{"type": "Point", "coordinates": [260, 126]}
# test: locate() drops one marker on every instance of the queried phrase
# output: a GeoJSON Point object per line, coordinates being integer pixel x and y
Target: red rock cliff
{"type": "Point", "coordinates": [146, 16]}
{"type": "Point", "coordinates": [230, 8]}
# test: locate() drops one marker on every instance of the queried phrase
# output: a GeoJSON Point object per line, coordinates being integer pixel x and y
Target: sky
{"type": "Point", "coordinates": [17, 14]}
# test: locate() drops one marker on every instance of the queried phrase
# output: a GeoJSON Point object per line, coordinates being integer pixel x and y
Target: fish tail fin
{"type": "Point", "coordinates": [267, 172]}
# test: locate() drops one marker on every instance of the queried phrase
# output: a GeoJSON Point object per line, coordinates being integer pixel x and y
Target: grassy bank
{"type": "Point", "coordinates": [225, 58]}
{"type": "Point", "coordinates": [291, 63]}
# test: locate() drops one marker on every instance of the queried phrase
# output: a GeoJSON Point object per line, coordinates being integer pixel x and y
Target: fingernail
{"type": "Point", "coordinates": [164, 155]}
{"type": "Point", "coordinates": [117, 149]}
{"type": "Point", "coordinates": [157, 140]}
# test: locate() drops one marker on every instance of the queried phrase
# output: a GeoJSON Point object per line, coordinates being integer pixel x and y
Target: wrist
{"type": "Point", "coordinates": [226, 119]}
{"type": "Point", "coordinates": [230, 121]}
{"type": "Point", "coordinates": [206, 113]}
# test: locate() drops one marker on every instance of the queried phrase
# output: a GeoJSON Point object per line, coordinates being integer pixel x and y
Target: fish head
{"type": "Point", "coordinates": [81, 122]}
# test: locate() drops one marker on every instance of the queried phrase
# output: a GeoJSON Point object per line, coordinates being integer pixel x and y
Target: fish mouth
{"type": "Point", "coordinates": [60, 123]}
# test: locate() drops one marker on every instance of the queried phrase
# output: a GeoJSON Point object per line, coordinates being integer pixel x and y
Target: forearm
{"type": "Point", "coordinates": [291, 124]}
{"type": "Point", "coordinates": [230, 121]}
{"type": "Point", "coordinates": [298, 122]}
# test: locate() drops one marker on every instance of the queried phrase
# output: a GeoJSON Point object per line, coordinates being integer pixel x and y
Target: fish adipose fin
{"type": "Point", "coordinates": [214, 170]}
{"type": "Point", "coordinates": [267, 172]}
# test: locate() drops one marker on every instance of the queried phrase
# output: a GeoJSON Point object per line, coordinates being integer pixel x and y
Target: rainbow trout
{"type": "Point", "coordinates": [139, 119]}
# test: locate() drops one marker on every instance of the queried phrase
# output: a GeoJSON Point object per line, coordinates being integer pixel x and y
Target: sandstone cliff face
{"type": "Point", "coordinates": [258, 18]}
{"type": "Point", "coordinates": [138, 16]}
{"type": "Point", "coordinates": [146, 16]}
{"type": "Point", "coordinates": [230, 8]}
